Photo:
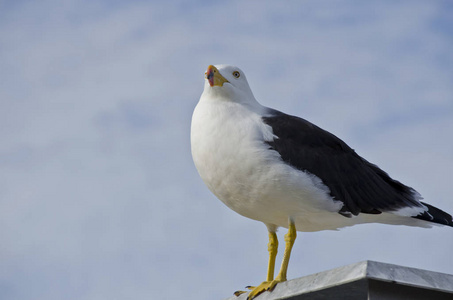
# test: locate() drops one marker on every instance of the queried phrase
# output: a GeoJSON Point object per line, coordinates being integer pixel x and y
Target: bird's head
{"type": "Point", "coordinates": [227, 82]}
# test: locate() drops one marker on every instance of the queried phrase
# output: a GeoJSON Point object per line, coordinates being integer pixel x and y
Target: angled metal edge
{"type": "Point", "coordinates": [314, 282]}
{"type": "Point", "coordinates": [358, 271]}
{"type": "Point", "coordinates": [409, 276]}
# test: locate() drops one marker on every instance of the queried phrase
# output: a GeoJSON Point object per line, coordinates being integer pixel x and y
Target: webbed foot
{"type": "Point", "coordinates": [264, 286]}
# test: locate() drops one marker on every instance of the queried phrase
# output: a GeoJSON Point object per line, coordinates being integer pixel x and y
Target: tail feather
{"type": "Point", "coordinates": [435, 215]}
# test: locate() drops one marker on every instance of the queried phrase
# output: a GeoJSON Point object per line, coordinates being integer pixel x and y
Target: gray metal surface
{"type": "Point", "coordinates": [367, 280]}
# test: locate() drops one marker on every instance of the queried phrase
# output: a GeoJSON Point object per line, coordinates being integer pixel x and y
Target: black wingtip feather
{"type": "Point", "coordinates": [436, 215]}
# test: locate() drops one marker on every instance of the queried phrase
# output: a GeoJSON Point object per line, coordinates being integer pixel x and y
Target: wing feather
{"type": "Point", "coordinates": [362, 187]}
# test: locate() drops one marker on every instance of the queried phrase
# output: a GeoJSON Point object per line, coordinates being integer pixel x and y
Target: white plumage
{"type": "Point", "coordinates": [231, 158]}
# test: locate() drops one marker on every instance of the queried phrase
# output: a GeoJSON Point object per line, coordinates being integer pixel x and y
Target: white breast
{"type": "Point", "coordinates": [232, 158]}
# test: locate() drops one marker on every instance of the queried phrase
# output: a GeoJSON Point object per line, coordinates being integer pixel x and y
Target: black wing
{"type": "Point", "coordinates": [362, 187]}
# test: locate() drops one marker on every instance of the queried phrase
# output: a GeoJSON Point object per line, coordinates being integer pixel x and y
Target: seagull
{"type": "Point", "coordinates": [286, 172]}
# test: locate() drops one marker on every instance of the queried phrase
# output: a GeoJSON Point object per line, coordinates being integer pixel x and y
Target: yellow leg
{"type": "Point", "coordinates": [272, 248]}
{"type": "Point", "coordinates": [290, 237]}
{"type": "Point", "coordinates": [270, 284]}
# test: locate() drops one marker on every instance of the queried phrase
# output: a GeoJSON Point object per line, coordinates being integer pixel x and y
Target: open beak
{"type": "Point", "coordinates": [214, 77]}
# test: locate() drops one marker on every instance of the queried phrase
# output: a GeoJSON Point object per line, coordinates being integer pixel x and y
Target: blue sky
{"type": "Point", "coordinates": [99, 198]}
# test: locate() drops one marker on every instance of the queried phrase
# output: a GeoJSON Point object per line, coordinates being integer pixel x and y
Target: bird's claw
{"type": "Point", "coordinates": [264, 286]}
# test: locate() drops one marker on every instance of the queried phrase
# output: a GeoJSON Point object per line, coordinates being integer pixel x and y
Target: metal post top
{"type": "Point", "coordinates": [358, 280]}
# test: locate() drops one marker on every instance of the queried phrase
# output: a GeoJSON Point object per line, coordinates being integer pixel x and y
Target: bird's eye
{"type": "Point", "coordinates": [236, 74]}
